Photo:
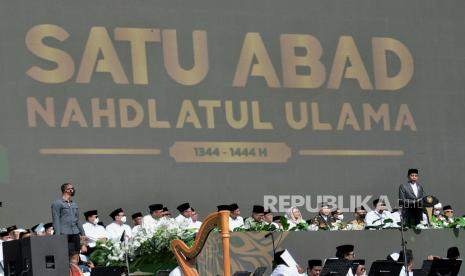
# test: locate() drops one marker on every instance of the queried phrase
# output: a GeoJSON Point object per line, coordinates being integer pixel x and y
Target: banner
{"type": "Point", "coordinates": [218, 102]}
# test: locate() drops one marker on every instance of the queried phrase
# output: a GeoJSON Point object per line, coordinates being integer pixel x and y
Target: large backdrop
{"type": "Point", "coordinates": [140, 102]}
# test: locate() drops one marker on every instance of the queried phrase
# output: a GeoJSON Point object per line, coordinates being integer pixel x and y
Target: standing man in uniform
{"type": "Point", "coordinates": [410, 199]}
{"type": "Point", "coordinates": [65, 215]}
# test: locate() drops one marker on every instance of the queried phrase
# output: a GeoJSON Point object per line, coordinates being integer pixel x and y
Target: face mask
{"type": "Point", "coordinates": [96, 221]}
{"type": "Point", "coordinates": [123, 219]}
{"type": "Point", "coordinates": [363, 216]}
{"type": "Point", "coordinates": [73, 192]}
{"type": "Point", "coordinates": [340, 217]}
{"type": "Point", "coordinates": [437, 212]}
{"type": "Point", "coordinates": [52, 232]}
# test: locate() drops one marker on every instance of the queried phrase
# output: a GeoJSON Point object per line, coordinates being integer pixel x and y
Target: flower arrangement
{"type": "Point", "coordinates": [148, 248]}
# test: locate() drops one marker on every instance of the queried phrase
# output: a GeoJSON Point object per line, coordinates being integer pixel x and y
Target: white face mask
{"type": "Point", "coordinates": [52, 232]}
{"type": "Point", "coordinates": [340, 217]}
{"type": "Point", "coordinates": [123, 219]}
{"type": "Point", "coordinates": [96, 221]}
{"type": "Point", "coordinates": [437, 212]}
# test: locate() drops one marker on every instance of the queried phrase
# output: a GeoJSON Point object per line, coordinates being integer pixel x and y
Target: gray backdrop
{"type": "Point", "coordinates": [433, 32]}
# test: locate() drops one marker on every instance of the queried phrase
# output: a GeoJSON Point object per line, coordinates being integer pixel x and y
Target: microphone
{"type": "Point", "coordinates": [122, 238]}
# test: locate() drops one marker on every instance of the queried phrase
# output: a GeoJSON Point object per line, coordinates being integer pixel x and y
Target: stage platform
{"type": "Point", "coordinates": [250, 250]}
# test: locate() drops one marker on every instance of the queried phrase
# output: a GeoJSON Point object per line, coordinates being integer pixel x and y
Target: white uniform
{"type": "Point", "coordinates": [149, 223]}
{"type": "Point", "coordinates": [374, 218]}
{"type": "Point", "coordinates": [136, 229]}
{"type": "Point", "coordinates": [94, 232]}
{"type": "Point", "coordinates": [396, 217]}
{"type": "Point", "coordinates": [185, 221]}
{"type": "Point", "coordinates": [115, 231]}
{"type": "Point", "coordinates": [402, 272]}
{"type": "Point", "coordinates": [284, 270]}
{"type": "Point", "coordinates": [196, 224]}
{"type": "Point", "coordinates": [234, 223]}
{"type": "Point", "coordinates": [176, 272]}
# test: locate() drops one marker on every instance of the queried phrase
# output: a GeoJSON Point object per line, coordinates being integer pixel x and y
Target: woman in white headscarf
{"type": "Point", "coordinates": [294, 217]}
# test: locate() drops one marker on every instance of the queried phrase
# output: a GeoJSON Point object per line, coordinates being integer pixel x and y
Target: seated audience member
{"type": "Point", "coordinates": [235, 219]}
{"type": "Point", "coordinates": [377, 216]}
{"type": "Point", "coordinates": [448, 214]}
{"type": "Point", "coordinates": [38, 230]}
{"type": "Point", "coordinates": [116, 229]}
{"type": "Point", "coordinates": [359, 222]}
{"type": "Point", "coordinates": [166, 212]}
{"type": "Point", "coordinates": [323, 220]}
{"type": "Point", "coordinates": [294, 217]}
{"type": "Point", "coordinates": [185, 213]}
{"type": "Point", "coordinates": [268, 219]}
{"type": "Point", "coordinates": [49, 231]}
{"type": "Point", "coordinates": [151, 221]}
{"type": "Point", "coordinates": [256, 220]}
{"type": "Point", "coordinates": [94, 231]}
{"type": "Point", "coordinates": [196, 223]}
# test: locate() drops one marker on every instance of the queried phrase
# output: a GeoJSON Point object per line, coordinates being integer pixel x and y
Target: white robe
{"type": "Point", "coordinates": [187, 222]}
{"type": "Point", "coordinates": [234, 223]}
{"type": "Point", "coordinates": [115, 231]}
{"type": "Point", "coordinates": [176, 272]}
{"type": "Point", "coordinates": [196, 224]}
{"type": "Point", "coordinates": [149, 223]}
{"type": "Point", "coordinates": [136, 230]}
{"type": "Point", "coordinates": [374, 218]}
{"type": "Point", "coordinates": [284, 270]}
{"type": "Point", "coordinates": [94, 232]}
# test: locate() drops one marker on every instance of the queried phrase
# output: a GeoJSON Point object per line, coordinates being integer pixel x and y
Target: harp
{"type": "Point", "coordinates": [185, 254]}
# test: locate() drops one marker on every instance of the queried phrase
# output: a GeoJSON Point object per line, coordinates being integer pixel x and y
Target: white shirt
{"type": "Point", "coordinates": [415, 188]}
{"type": "Point", "coordinates": [176, 272]}
{"type": "Point", "coordinates": [396, 217]}
{"type": "Point", "coordinates": [374, 218]}
{"type": "Point", "coordinates": [185, 221]}
{"type": "Point", "coordinates": [136, 229]}
{"type": "Point", "coordinates": [284, 270]}
{"type": "Point", "coordinates": [196, 224]}
{"type": "Point", "coordinates": [234, 223]}
{"type": "Point", "coordinates": [149, 223]}
{"type": "Point", "coordinates": [94, 232]}
{"type": "Point", "coordinates": [114, 231]}
{"type": "Point", "coordinates": [402, 272]}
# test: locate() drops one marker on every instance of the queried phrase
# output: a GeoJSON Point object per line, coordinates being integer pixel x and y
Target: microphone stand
{"type": "Point", "coordinates": [274, 249]}
{"type": "Point", "coordinates": [127, 259]}
{"type": "Point", "coordinates": [404, 243]}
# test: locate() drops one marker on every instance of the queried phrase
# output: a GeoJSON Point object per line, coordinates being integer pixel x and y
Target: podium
{"type": "Point", "coordinates": [35, 256]}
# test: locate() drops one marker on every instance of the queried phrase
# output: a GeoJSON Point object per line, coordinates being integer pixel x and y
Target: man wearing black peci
{"type": "Point", "coordinates": [410, 199]}
{"type": "Point", "coordinates": [65, 215]}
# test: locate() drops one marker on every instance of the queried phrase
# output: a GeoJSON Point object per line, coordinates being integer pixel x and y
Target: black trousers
{"type": "Point", "coordinates": [413, 216]}
{"type": "Point", "coordinates": [74, 243]}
